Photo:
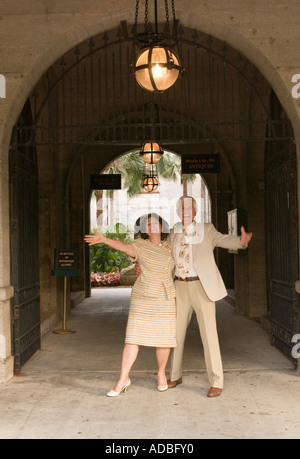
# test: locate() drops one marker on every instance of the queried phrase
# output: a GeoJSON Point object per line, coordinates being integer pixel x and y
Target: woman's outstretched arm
{"type": "Point", "coordinates": [99, 238]}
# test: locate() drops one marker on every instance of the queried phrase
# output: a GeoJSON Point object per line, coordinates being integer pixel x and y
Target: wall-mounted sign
{"type": "Point", "coordinates": [200, 164]}
{"type": "Point", "coordinates": [106, 182]}
{"type": "Point", "coordinates": [66, 262]}
{"type": "Point", "coordinates": [236, 219]}
{"type": "Point", "coordinates": [232, 225]}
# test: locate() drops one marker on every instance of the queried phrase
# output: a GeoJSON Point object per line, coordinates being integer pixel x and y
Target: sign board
{"type": "Point", "coordinates": [65, 262]}
{"type": "Point", "coordinates": [106, 182]}
{"type": "Point", "coordinates": [236, 219]}
{"type": "Point", "coordinates": [200, 164]}
{"type": "Point", "coordinates": [232, 225]}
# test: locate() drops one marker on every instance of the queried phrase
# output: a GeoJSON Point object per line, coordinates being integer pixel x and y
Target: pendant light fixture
{"type": "Point", "coordinates": [150, 184]}
{"type": "Point", "coordinates": [151, 152]}
{"type": "Point", "coordinates": [150, 180]}
{"type": "Point", "coordinates": [158, 65]}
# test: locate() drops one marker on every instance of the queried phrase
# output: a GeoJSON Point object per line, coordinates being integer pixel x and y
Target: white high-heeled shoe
{"type": "Point", "coordinates": [113, 393]}
{"type": "Point", "coordinates": [162, 388]}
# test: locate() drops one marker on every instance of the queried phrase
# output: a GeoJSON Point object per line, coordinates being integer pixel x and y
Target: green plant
{"type": "Point", "coordinates": [103, 258]}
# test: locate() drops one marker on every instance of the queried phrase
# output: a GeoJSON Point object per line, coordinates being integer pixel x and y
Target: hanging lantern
{"type": "Point", "coordinates": [151, 152]}
{"type": "Point", "coordinates": [150, 180]}
{"type": "Point", "coordinates": [157, 68]}
{"type": "Point", "coordinates": [150, 184]}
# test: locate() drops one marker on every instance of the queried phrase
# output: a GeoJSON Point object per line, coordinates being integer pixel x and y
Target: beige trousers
{"type": "Point", "coordinates": [190, 296]}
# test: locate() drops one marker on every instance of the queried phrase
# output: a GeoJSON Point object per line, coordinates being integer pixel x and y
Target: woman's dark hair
{"type": "Point", "coordinates": [141, 226]}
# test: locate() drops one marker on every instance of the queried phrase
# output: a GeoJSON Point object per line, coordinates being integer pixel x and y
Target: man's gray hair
{"type": "Point", "coordinates": [183, 198]}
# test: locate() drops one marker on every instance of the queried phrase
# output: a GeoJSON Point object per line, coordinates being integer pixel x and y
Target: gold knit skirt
{"type": "Point", "coordinates": [151, 322]}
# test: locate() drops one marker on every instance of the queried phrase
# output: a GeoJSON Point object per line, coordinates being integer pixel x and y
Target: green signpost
{"type": "Point", "coordinates": [65, 265]}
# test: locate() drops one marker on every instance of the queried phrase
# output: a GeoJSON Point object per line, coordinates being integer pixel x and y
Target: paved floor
{"type": "Point", "coordinates": [60, 392]}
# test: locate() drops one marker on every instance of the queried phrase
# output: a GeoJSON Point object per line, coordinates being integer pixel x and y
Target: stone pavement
{"type": "Point", "coordinates": [61, 391]}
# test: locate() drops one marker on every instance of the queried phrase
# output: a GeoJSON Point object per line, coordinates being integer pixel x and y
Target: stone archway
{"type": "Point", "coordinates": [75, 30]}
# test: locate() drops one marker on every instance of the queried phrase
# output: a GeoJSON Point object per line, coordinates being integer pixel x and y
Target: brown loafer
{"type": "Point", "coordinates": [214, 392]}
{"type": "Point", "coordinates": [172, 384]}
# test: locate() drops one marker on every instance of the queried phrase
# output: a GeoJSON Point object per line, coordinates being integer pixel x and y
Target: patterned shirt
{"type": "Point", "coordinates": [183, 251]}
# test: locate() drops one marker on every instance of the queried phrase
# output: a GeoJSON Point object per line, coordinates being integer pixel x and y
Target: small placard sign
{"type": "Point", "coordinates": [106, 182]}
{"type": "Point", "coordinates": [200, 164]}
{"type": "Point", "coordinates": [66, 262]}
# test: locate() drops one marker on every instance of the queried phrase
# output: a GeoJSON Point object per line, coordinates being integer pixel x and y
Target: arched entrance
{"type": "Point", "coordinates": [115, 211]}
{"type": "Point", "coordinates": [84, 115]}
{"type": "Point", "coordinates": [116, 206]}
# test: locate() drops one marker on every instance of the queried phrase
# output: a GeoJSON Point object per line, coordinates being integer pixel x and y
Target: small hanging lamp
{"type": "Point", "coordinates": [150, 184]}
{"type": "Point", "coordinates": [150, 180]}
{"type": "Point", "coordinates": [151, 152]}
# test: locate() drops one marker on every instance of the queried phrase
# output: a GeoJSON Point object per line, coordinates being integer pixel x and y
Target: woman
{"type": "Point", "coordinates": [152, 314]}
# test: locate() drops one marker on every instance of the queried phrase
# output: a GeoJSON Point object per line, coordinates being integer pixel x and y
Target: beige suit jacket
{"type": "Point", "coordinates": [203, 256]}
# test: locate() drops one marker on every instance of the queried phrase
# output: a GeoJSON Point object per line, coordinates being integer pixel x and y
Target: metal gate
{"type": "Point", "coordinates": [282, 235]}
{"type": "Point", "coordinates": [25, 306]}
{"type": "Point", "coordinates": [90, 97]}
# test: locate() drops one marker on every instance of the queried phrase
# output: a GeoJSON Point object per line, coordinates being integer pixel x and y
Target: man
{"type": "Point", "coordinates": [199, 285]}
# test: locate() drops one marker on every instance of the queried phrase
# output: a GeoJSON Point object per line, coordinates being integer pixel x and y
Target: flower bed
{"type": "Point", "coordinates": [104, 279]}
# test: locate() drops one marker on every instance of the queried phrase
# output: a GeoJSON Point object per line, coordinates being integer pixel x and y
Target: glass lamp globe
{"type": "Point", "coordinates": [151, 152]}
{"type": "Point", "coordinates": [157, 68]}
{"type": "Point", "coordinates": [150, 184]}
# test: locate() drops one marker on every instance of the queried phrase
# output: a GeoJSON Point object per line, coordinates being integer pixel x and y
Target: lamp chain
{"type": "Point", "coordinates": [173, 10]}
{"type": "Point", "coordinates": [146, 16]}
{"type": "Point", "coordinates": [175, 31]}
{"type": "Point", "coordinates": [167, 16]}
{"type": "Point", "coordinates": [136, 15]}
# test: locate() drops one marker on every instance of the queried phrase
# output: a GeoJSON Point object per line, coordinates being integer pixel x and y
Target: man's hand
{"type": "Point", "coordinates": [245, 237]}
{"type": "Point", "coordinates": [137, 269]}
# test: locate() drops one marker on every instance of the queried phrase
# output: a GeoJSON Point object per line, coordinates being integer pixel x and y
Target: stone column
{"type": "Point", "coordinates": [6, 291]}
{"type": "Point", "coordinates": [6, 359]}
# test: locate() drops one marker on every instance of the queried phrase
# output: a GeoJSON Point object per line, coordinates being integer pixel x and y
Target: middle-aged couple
{"type": "Point", "coordinates": [161, 308]}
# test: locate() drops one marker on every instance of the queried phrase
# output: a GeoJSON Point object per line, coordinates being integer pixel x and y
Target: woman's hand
{"type": "Point", "coordinates": [97, 238]}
